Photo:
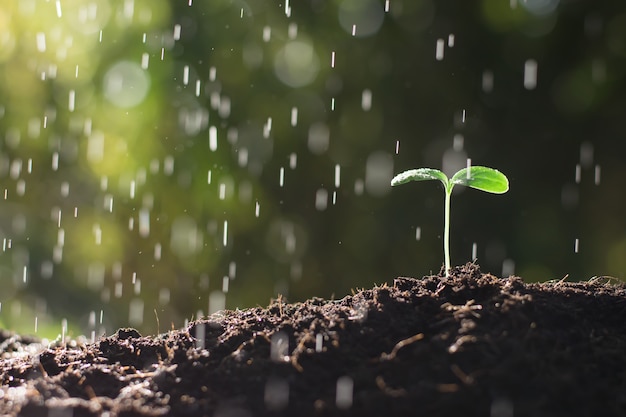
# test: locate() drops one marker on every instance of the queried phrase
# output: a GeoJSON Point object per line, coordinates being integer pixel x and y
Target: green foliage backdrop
{"type": "Point", "coordinates": [161, 160]}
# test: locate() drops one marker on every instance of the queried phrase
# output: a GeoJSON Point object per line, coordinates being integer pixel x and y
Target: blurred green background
{"type": "Point", "coordinates": [161, 160]}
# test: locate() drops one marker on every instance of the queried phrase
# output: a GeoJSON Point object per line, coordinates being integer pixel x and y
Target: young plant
{"type": "Point", "coordinates": [481, 178]}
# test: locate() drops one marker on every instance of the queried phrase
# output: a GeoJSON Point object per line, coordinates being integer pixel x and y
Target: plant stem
{"type": "Point", "coordinates": [446, 231]}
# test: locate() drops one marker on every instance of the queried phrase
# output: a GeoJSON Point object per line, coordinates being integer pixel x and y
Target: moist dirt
{"type": "Point", "coordinates": [470, 344]}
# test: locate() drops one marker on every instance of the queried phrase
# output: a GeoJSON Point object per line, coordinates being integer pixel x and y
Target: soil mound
{"type": "Point", "coordinates": [469, 344]}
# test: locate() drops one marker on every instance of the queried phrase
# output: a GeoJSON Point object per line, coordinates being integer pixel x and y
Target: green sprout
{"type": "Point", "coordinates": [481, 178]}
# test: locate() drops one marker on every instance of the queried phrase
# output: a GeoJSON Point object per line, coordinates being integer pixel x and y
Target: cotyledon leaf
{"type": "Point", "coordinates": [482, 178]}
{"type": "Point", "coordinates": [420, 174]}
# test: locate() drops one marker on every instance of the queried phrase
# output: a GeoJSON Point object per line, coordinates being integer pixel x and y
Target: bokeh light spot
{"type": "Point", "coordinates": [125, 84]}
{"type": "Point", "coordinates": [361, 18]}
{"type": "Point", "coordinates": [296, 64]}
{"type": "Point", "coordinates": [540, 7]}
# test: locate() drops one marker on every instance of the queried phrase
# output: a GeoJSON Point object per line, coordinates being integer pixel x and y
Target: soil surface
{"type": "Point", "coordinates": [470, 344]}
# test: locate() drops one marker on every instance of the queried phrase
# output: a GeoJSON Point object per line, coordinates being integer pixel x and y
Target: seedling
{"type": "Point", "coordinates": [481, 178]}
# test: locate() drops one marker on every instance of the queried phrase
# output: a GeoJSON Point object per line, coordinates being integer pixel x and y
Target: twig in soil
{"type": "Point", "coordinates": [562, 280]}
{"type": "Point", "coordinates": [392, 392]}
{"type": "Point", "coordinates": [402, 343]}
{"type": "Point", "coordinates": [460, 341]}
{"type": "Point", "coordinates": [462, 310]}
{"type": "Point", "coordinates": [597, 278]}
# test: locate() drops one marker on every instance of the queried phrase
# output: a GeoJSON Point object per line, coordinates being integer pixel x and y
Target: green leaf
{"type": "Point", "coordinates": [482, 178]}
{"type": "Point", "coordinates": [420, 174]}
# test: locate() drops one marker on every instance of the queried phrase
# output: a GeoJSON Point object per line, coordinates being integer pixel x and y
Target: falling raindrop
{"type": "Point", "coordinates": [213, 138]}
{"type": "Point", "coordinates": [474, 251]}
{"type": "Point", "coordinates": [294, 116]}
{"type": "Point", "coordinates": [457, 142]}
{"type": "Point", "coordinates": [164, 297]}
{"type": "Point", "coordinates": [97, 233]}
{"type": "Point", "coordinates": [135, 312]}
{"type": "Point", "coordinates": [279, 347]}
{"type": "Point", "coordinates": [55, 161]}
{"type": "Point", "coordinates": [596, 177]}
{"type": "Point", "coordinates": [418, 233]}
{"type": "Point", "coordinates": [319, 138]}
{"type": "Point", "coordinates": [319, 342]}
{"type": "Point", "coordinates": [359, 187]}
{"type": "Point", "coordinates": [20, 187]}
{"type": "Point", "coordinates": [267, 128]}
{"type": "Point", "coordinates": [276, 394]}
{"type": "Point", "coordinates": [344, 392]}
{"type": "Point", "coordinates": [530, 74]}
{"type": "Point", "coordinates": [576, 245]}
{"type": "Point", "coordinates": [577, 174]}
{"type": "Point", "coordinates": [72, 100]}
{"type": "Point", "coordinates": [508, 267]}
{"type": "Point", "coordinates": [321, 199]}
{"type": "Point", "coordinates": [118, 290]}
{"type": "Point", "coordinates": [292, 31]}
{"type": "Point", "coordinates": [487, 81]}
{"type": "Point", "coordinates": [267, 33]}
{"type": "Point", "coordinates": [186, 75]}
{"type": "Point", "coordinates": [586, 154]}
{"type": "Point", "coordinates": [439, 50]}
{"type": "Point", "coordinates": [168, 165]}
{"type": "Point", "coordinates": [41, 41]}
{"type": "Point", "coordinates": [65, 189]}
{"type": "Point", "coordinates": [332, 59]}
{"type": "Point", "coordinates": [217, 302]}
{"type": "Point", "coordinates": [378, 173]}
{"type": "Point", "coordinates": [366, 100]}
{"type": "Point", "coordinates": [144, 223]}
{"type": "Point", "coordinates": [200, 333]}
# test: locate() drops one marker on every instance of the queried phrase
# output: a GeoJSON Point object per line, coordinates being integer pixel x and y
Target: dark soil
{"type": "Point", "coordinates": [468, 345]}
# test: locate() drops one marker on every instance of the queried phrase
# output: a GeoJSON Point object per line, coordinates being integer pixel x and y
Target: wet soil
{"type": "Point", "coordinates": [470, 344]}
